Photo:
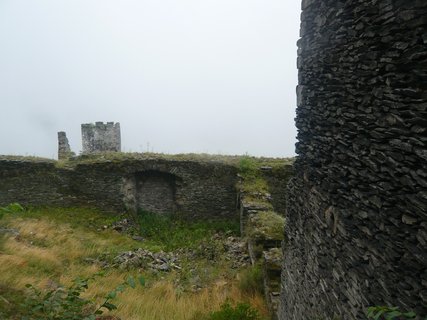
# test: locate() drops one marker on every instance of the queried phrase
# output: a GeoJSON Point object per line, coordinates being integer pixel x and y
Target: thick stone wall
{"type": "Point", "coordinates": [198, 190]}
{"type": "Point", "coordinates": [357, 209]}
{"type": "Point", "coordinates": [32, 182]}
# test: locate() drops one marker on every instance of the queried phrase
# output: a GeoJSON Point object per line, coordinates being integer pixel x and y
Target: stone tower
{"type": "Point", "coordinates": [64, 150]}
{"type": "Point", "coordinates": [101, 137]}
{"type": "Point", "coordinates": [356, 230]}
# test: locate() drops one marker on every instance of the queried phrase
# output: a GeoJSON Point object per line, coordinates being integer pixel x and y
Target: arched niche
{"type": "Point", "coordinates": [155, 191]}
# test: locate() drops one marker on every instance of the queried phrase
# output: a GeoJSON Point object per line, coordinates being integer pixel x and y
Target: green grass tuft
{"type": "Point", "coordinates": [241, 311]}
{"type": "Point", "coordinates": [174, 232]}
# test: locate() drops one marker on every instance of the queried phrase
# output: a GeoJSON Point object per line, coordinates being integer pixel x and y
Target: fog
{"type": "Point", "coordinates": [211, 76]}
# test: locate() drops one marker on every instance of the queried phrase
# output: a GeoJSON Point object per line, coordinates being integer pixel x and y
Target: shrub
{"type": "Point", "coordinates": [67, 304]}
{"type": "Point", "coordinates": [241, 311]}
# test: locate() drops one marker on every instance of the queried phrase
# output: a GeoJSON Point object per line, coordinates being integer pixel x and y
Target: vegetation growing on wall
{"type": "Point", "coordinates": [236, 160]}
{"type": "Point", "coordinates": [266, 225]}
{"type": "Point", "coordinates": [261, 224]}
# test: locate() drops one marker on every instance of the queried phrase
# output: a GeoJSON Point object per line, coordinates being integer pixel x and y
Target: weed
{"type": "Point", "coordinates": [67, 304]}
{"type": "Point", "coordinates": [388, 313]}
{"type": "Point", "coordinates": [11, 208]}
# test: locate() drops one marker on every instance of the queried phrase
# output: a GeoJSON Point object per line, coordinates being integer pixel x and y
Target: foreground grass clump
{"type": "Point", "coordinates": [241, 311]}
{"type": "Point", "coordinates": [67, 304]}
{"type": "Point", "coordinates": [51, 247]}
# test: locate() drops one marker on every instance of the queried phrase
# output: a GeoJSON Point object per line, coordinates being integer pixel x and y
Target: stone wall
{"type": "Point", "coordinates": [277, 180]}
{"type": "Point", "coordinates": [357, 208]}
{"type": "Point", "coordinates": [262, 207]}
{"type": "Point", "coordinates": [101, 137]}
{"type": "Point", "coordinates": [156, 192]}
{"type": "Point", "coordinates": [197, 189]}
{"type": "Point", "coordinates": [30, 182]}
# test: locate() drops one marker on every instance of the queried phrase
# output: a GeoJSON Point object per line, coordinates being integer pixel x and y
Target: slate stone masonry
{"type": "Point", "coordinates": [200, 189]}
{"type": "Point", "coordinates": [156, 192]}
{"type": "Point", "coordinates": [357, 208]}
{"type": "Point", "coordinates": [64, 150]}
{"type": "Point", "coordinates": [101, 137]}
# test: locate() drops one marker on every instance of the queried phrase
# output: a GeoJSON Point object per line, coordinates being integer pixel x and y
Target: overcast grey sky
{"type": "Point", "coordinates": [214, 76]}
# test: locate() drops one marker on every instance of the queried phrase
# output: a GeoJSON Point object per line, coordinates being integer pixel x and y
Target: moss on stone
{"type": "Point", "coordinates": [233, 160]}
{"type": "Point", "coordinates": [254, 172]}
{"type": "Point", "coordinates": [273, 258]}
{"type": "Point", "coordinates": [266, 225]}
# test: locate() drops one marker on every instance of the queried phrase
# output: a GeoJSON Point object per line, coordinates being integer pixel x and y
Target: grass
{"type": "Point", "coordinates": [251, 280]}
{"type": "Point", "coordinates": [177, 232]}
{"type": "Point", "coordinates": [54, 244]}
{"type": "Point", "coordinates": [238, 312]}
{"type": "Point", "coordinates": [266, 225]}
{"type": "Point", "coordinates": [255, 185]}
{"type": "Point", "coordinates": [197, 157]}
{"type": "Point", "coordinates": [253, 182]}
{"type": "Point", "coordinates": [25, 158]}
{"type": "Point", "coordinates": [117, 157]}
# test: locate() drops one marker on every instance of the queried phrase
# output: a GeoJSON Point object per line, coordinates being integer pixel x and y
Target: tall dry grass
{"type": "Point", "coordinates": [49, 252]}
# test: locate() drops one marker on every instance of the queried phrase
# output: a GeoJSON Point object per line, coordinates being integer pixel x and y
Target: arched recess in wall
{"type": "Point", "coordinates": [156, 191]}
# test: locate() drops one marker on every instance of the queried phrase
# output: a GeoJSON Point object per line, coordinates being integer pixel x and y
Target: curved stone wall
{"type": "Point", "coordinates": [357, 208]}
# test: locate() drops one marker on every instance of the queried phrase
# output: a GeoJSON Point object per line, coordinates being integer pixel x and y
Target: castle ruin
{"type": "Point", "coordinates": [101, 137]}
{"type": "Point", "coordinates": [356, 210]}
{"type": "Point", "coordinates": [96, 138]}
{"type": "Point", "coordinates": [64, 150]}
